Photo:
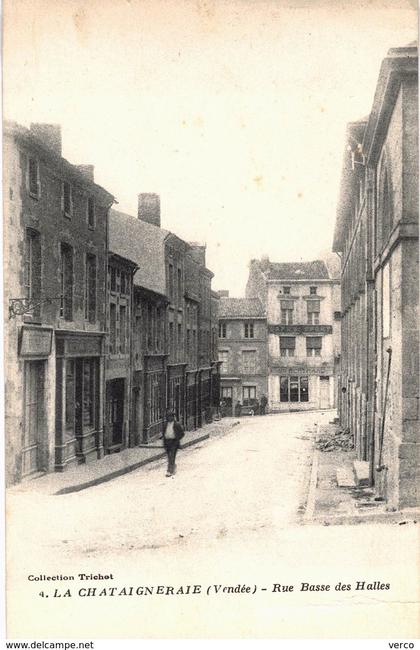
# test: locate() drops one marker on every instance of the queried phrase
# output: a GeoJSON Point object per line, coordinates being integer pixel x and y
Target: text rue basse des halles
{"type": "Point", "coordinates": [103, 586]}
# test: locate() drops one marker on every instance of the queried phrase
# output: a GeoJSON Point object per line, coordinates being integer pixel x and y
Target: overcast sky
{"type": "Point", "coordinates": [233, 111]}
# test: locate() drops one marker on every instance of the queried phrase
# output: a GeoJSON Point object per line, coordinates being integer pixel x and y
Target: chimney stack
{"type": "Point", "coordinates": [49, 135]}
{"type": "Point", "coordinates": [149, 208]}
{"type": "Point", "coordinates": [198, 253]}
{"type": "Point", "coordinates": [88, 171]}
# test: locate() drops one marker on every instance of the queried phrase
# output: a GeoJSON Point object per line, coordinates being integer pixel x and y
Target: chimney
{"type": "Point", "coordinates": [49, 135]}
{"type": "Point", "coordinates": [223, 293]}
{"type": "Point", "coordinates": [87, 171]}
{"type": "Point", "coordinates": [149, 208]}
{"type": "Point", "coordinates": [198, 252]}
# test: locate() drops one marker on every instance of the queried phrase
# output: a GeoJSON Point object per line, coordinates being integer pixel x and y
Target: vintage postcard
{"type": "Point", "coordinates": [210, 251]}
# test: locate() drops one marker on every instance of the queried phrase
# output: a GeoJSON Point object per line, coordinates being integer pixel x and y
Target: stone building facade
{"type": "Point", "coordinates": [377, 236]}
{"type": "Point", "coordinates": [242, 352]}
{"type": "Point", "coordinates": [302, 305]}
{"type": "Point", "coordinates": [55, 253]}
{"type": "Point", "coordinates": [173, 363]}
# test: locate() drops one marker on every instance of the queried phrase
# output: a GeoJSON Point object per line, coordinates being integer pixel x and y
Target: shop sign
{"type": "Point", "coordinates": [35, 342]}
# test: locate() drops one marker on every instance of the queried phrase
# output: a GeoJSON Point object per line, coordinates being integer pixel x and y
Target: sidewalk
{"type": "Point", "coordinates": [81, 477]}
{"type": "Point", "coordinates": [329, 504]}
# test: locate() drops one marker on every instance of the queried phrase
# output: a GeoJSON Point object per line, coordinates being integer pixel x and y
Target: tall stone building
{"type": "Point", "coordinates": [55, 256]}
{"type": "Point", "coordinates": [302, 305]}
{"type": "Point", "coordinates": [376, 235]}
{"type": "Point", "coordinates": [242, 351]}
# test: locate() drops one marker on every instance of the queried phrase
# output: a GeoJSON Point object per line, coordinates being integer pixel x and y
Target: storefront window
{"type": "Point", "coordinates": [70, 398]}
{"type": "Point", "coordinates": [88, 393]}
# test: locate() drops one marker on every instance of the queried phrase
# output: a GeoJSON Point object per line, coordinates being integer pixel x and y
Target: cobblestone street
{"type": "Point", "coordinates": [230, 516]}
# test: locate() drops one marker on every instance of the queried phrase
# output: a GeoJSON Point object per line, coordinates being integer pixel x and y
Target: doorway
{"type": "Point", "coordinates": [116, 411]}
{"type": "Point", "coordinates": [324, 392]}
{"type": "Point", "coordinates": [34, 416]}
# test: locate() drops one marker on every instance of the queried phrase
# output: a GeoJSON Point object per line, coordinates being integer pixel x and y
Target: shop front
{"type": "Point", "coordinates": [176, 390]}
{"type": "Point", "coordinates": [154, 396]}
{"type": "Point", "coordinates": [79, 398]}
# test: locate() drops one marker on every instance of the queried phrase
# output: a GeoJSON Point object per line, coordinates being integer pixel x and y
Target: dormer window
{"type": "Point", "coordinates": [313, 290]}
{"type": "Point", "coordinates": [67, 199]}
{"type": "Point", "coordinates": [286, 290]}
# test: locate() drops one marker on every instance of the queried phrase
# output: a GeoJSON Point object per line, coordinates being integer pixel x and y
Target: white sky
{"type": "Point", "coordinates": [233, 111]}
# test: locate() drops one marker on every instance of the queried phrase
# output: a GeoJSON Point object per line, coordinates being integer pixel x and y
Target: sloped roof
{"type": "Point", "coordinates": [240, 307]}
{"type": "Point", "coordinates": [142, 243]}
{"type": "Point", "coordinates": [315, 270]}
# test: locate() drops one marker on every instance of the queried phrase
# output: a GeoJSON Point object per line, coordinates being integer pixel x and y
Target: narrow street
{"type": "Point", "coordinates": [230, 516]}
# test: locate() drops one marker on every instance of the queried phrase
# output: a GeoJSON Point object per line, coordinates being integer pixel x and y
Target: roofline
{"type": "Point", "coordinates": [242, 317]}
{"type": "Point", "coordinates": [23, 133]}
{"type": "Point", "coordinates": [399, 62]}
{"type": "Point", "coordinates": [125, 260]}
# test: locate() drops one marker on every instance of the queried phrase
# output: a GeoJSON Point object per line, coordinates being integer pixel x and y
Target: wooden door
{"type": "Point", "coordinates": [34, 416]}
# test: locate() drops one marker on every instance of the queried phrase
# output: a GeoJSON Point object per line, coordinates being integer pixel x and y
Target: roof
{"type": "Point", "coordinates": [241, 308]}
{"type": "Point", "coordinates": [142, 243]}
{"type": "Point", "coordinates": [23, 134]}
{"type": "Point", "coordinates": [371, 131]}
{"type": "Point", "coordinates": [315, 270]}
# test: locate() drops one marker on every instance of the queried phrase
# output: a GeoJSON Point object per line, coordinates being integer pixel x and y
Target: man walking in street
{"type": "Point", "coordinates": [172, 434]}
{"type": "Point", "coordinates": [263, 404]}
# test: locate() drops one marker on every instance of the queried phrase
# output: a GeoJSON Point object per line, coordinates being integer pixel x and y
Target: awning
{"type": "Point", "coordinates": [287, 342]}
{"type": "Point", "coordinates": [313, 305]}
{"type": "Point", "coordinates": [314, 342]}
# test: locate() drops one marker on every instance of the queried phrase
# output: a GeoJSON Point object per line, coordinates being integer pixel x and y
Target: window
{"type": "Point", "coordinates": [222, 330]}
{"type": "Point", "coordinates": [313, 346]}
{"type": "Point", "coordinates": [90, 288]}
{"type": "Point", "coordinates": [179, 285]}
{"type": "Point", "coordinates": [294, 389]}
{"type": "Point", "coordinates": [171, 281]}
{"type": "Point", "coordinates": [158, 328]}
{"type": "Point", "coordinates": [123, 283]}
{"type": "Point", "coordinates": [287, 316]}
{"type": "Point", "coordinates": [33, 270]}
{"type": "Point", "coordinates": [286, 290]}
{"type": "Point", "coordinates": [66, 282]}
{"type": "Point", "coordinates": [337, 315]}
{"type": "Point", "coordinates": [91, 212]}
{"type": "Point", "coordinates": [224, 358]}
{"type": "Point", "coordinates": [179, 342]}
{"type": "Point", "coordinates": [287, 346]}
{"type": "Point", "coordinates": [33, 177]}
{"type": "Point", "coordinates": [313, 290]}
{"type": "Point", "coordinates": [67, 199]}
{"type": "Point", "coordinates": [313, 308]}
{"type": "Point", "coordinates": [113, 278]}
{"type": "Point", "coordinates": [113, 328]}
{"type": "Point", "coordinates": [89, 393]}
{"type": "Point", "coordinates": [249, 394]}
{"type": "Point", "coordinates": [249, 359]}
{"type": "Point", "coordinates": [149, 326]}
{"type": "Point", "coordinates": [171, 338]}
{"type": "Point", "coordinates": [123, 329]}
{"type": "Point", "coordinates": [227, 392]}
{"type": "Point", "coordinates": [249, 330]}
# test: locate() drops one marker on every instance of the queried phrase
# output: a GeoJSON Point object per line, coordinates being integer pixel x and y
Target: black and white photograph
{"type": "Point", "coordinates": [210, 320]}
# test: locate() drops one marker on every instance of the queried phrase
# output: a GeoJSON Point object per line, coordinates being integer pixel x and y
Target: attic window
{"type": "Point", "coordinates": [313, 290]}
{"type": "Point", "coordinates": [286, 290]}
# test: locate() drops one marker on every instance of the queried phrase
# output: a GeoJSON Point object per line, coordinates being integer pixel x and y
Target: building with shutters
{"type": "Point", "coordinates": [242, 352]}
{"type": "Point", "coordinates": [376, 234]}
{"type": "Point", "coordinates": [302, 306]}
{"type": "Point", "coordinates": [173, 361]}
{"type": "Point", "coordinates": [55, 253]}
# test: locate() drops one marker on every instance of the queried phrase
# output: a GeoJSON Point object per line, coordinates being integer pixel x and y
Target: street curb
{"type": "Point", "coordinates": [400, 518]}
{"type": "Point", "coordinates": [124, 470]}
